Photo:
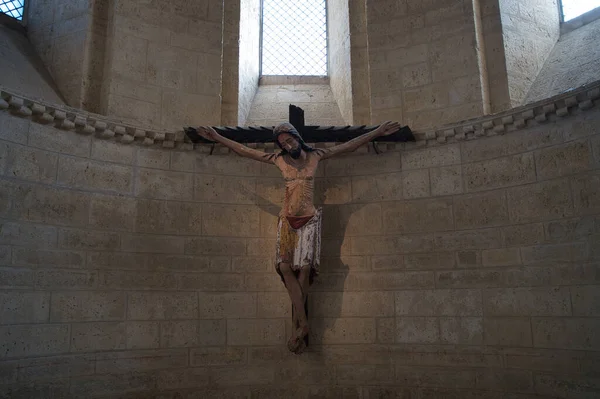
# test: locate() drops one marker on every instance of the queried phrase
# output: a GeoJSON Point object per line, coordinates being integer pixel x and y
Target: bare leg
{"type": "Point", "coordinates": [295, 292]}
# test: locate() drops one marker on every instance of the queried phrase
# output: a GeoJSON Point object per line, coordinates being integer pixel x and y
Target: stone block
{"type": "Point", "coordinates": [274, 305]}
{"type": "Point", "coordinates": [151, 183]}
{"type": "Point", "coordinates": [542, 360]}
{"type": "Point", "coordinates": [569, 229]}
{"type": "Point", "coordinates": [30, 164]}
{"type": "Point", "coordinates": [596, 150]}
{"type": "Point", "coordinates": [251, 264]}
{"type": "Point", "coordinates": [230, 220]}
{"type": "Point", "coordinates": [505, 380]}
{"type": "Point", "coordinates": [152, 243]}
{"type": "Point", "coordinates": [556, 253]}
{"type": "Point", "coordinates": [566, 386]}
{"type": "Point", "coordinates": [566, 159]}
{"type": "Point", "coordinates": [112, 384]}
{"type": "Point", "coordinates": [176, 334]}
{"type": "Point", "coordinates": [125, 279]}
{"type": "Point", "coordinates": [255, 332]}
{"type": "Point", "coordinates": [112, 212]}
{"type": "Point", "coordinates": [88, 239]}
{"type": "Point", "coordinates": [215, 246]}
{"type": "Point", "coordinates": [431, 157]}
{"type": "Point", "coordinates": [211, 282]}
{"type": "Point", "coordinates": [416, 184]}
{"type": "Point", "coordinates": [523, 234]}
{"type": "Point", "coordinates": [45, 258]}
{"type": "Point", "coordinates": [566, 333]}
{"type": "Point", "coordinates": [5, 254]}
{"type": "Point", "coordinates": [501, 257]}
{"type": "Point", "coordinates": [212, 332]}
{"type": "Point", "coordinates": [13, 128]}
{"type": "Point", "coordinates": [111, 151]}
{"type": "Point", "coordinates": [341, 331]}
{"type": "Point", "coordinates": [218, 356]}
{"type": "Point", "coordinates": [168, 217]}
{"type": "Point", "coordinates": [65, 279]}
{"type": "Point", "coordinates": [227, 305]}
{"type": "Point", "coordinates": [33, 340]}
{"type": "Point", "coordinates": [352, 220]}
{"type": "Point", "coordinates": [417, 330]}
{"type": "Point", "coordinates": [182, 161]}
{"type": "Point", "coordinates": [375, 281]}
{"type": "Point", "coordinates": [51, 205]}
{"type": "Point", "coordinates": [468, 259]}
{"type": "Point", "coordinates": [366, 164]}
{"type": "Point", "coordinates": [151, 158]}
{"type": "Point", "coordinates": [507, 331]}
{"type": "Point", "coordinates": [585, 300]}
{"type": "Point", "coordinates": [188, 263]}
{"type": "Point", "coordinates": [241, 375]}
{"type": "Point", "coordinates": [24, 307]}
{"type": "Point", "coordinates": [351, 304]}
{"type": "Point", "coordinates": [260, 246]}
{"type": "Point", "coordinates": [461, 330]}
{"type": "Point", "coordinates": [540, 201]}
{"type": "Point", "coordinates": [379, 187]}
{"type": "Point", "coordinates": [468, 239]}
{"type": "Point", "coordinates": [16, 278]}
{"type": "Point", "coordinates": [527, 302]}
{"type": "Point", "coordinates": [446, 180]}
{"type": "Point", "coordinates": [160, 306]}
{"type": "Point", "coordinates": [182, 378]}
{"type": "Point", "coordinates": [228, 165]}
{"type": "Point", "coordinates": [56, 367]}
{"type": "Point", "coordinates": [117, 260]}
{"type": "Point", "coordinates": [329, 191]}
{"type": "Point", "coordinates": [101, 336]}
{"type": "Point", "coordinates": [418, 216]}
{"type": "Point", "coordinates": [378, 245]}
{"type": "Point", "coordinates": [140, 360]}
{"type": "Point", "coordinates": [481, 210]}
{"type": "Point", "coordinates": [500, 172]}
{"type": "Point", "coordinates": [87, 306]}
{"type": "Point", "coordinates": [439, 302]}
{"type": "Point", "coordinates": [429, 261]}
{"type": "Point", "coordinates": [423, 378]}
{"type": "Point", "coordinates": [586, 194]}
{"type": "Point", "coordinates": [387, 262]}
{"type": "Point", "coordinates": [93, 175]}
{"type": "Point", "coordinates": [27, 234]}
{"type": "Point", "coordinates": [386, 330]}
{"type": "Point", "coordinates": [52, 139]}
{"type": "Point", "coordinates": [231, 189]}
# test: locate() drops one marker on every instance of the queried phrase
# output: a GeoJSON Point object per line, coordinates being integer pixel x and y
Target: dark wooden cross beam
{"type": "Point", "coordinates": [310, 133]}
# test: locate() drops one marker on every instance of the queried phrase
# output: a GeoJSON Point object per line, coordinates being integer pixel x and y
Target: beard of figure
{"type": "Point", "coordinates": [296, 152]}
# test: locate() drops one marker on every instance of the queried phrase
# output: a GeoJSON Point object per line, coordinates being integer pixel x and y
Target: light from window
{"type": "Point", "coordinates": [574, 8]}
{"type": "Point", "coordinates": [294, 37]}
{"type": "Point", "coordinates": [13, 8]}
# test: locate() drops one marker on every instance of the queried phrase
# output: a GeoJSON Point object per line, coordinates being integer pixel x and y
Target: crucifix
{"type": "Point", "coordinates": [297, 253]}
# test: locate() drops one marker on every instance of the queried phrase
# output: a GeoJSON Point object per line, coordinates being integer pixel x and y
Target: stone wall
{"type": "Point", "coordinates": [271, 103]}
{"type": "Point", "coordinates": [21, 69]}
{"type": "Point", "coordinates": [338, 46]}
{"type": "Point", "coordinates": [423, 62]}
{"type": "Point", "coordinates": [574, 62]}
{"type": "Point", "coordinates": [70, 38]}
{"type": "Point", "coordinates": [163, 64]}
{"type": "Point", "coordinates": [464, 269]}
{"type": "Point", "coordinates": [530, 31]}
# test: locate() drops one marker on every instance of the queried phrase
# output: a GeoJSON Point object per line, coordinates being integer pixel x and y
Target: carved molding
{"type": "Point", "coordinates": [103, 127]}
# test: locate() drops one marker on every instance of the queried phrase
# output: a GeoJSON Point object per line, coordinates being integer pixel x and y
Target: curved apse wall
{"type": "Point", "coordinates": [465, 265]}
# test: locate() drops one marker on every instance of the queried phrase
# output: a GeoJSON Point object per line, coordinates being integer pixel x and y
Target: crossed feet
{"type": "Point", "coordinates": [296, 342]}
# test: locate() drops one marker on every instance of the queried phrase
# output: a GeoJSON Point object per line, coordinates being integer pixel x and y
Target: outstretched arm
{"type": "Point", "coordinates": [210, 134]}
{"type": "Point", "coordinates": [385, 129]}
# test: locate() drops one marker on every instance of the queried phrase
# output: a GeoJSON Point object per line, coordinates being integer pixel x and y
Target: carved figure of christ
{"type": "Point", "coordinates": [299, 224]}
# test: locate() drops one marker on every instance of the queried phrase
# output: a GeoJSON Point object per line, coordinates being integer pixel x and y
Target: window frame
{"type": "Point", "coordinates": [23, 21]}
{"type": "Point", "coordinates": [577, 22]}
{"type": "Point", "coordinates": [294, 77]}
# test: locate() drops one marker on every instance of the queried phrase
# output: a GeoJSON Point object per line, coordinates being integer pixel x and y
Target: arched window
{"type": "Point", "coordinates": [13, 8]}
{"type": "Point", "coordinates": [573, 8]}
{"type": "Point", "coordinates": [294, 37]}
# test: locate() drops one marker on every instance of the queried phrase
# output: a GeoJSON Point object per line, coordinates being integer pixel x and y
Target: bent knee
{"type": "Point", "coordinates": [285, 268]}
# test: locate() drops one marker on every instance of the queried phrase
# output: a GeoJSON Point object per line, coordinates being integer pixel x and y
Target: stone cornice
{"type": "Point", "coordinates": [83, 122]}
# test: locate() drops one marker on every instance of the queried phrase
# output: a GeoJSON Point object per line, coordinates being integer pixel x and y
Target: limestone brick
{"type": "Point", "coordinates": [24, 307]}
{"type": "Point", "coordinates": [461, 330]}
{"type": "Point", "coordinates": [416, 184]}
{"type": "Point", "coordinates": [507, 331]}
{"type": "Point", "coordinates": [87, 306]}
{"type": "Point", "coordinates": [34, 340]}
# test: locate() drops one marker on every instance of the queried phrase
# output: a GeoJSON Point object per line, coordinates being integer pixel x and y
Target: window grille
{"type": "Point", "coordinates": [13, 8]}
{"type": "Point", "coordinates": [574, 8]}
{"type": "Point", "coordinates": [294, 37]}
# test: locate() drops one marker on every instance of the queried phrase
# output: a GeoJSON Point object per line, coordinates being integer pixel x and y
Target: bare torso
{"type": "Point", "coordinates": [299, 178]}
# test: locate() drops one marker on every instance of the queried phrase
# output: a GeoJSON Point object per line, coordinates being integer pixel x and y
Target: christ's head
{"type": "Point", "coordinates": [289, 140]}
